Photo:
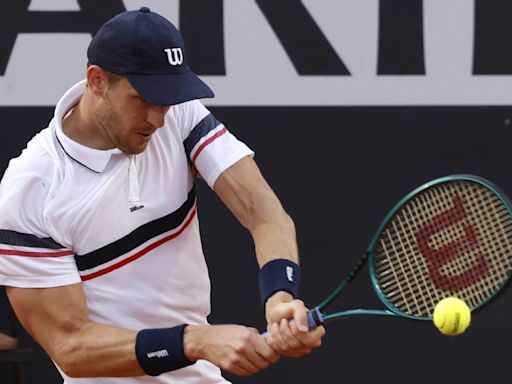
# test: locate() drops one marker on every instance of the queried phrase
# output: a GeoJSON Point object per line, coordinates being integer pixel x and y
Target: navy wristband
{"type": "Point", "coordinates": [279, 275]}
{"type": "Point", "coordinates": [161, 350]}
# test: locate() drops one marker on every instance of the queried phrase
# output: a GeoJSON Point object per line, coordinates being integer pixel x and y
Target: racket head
{"type": "Point", "coordinates": [450, 237]}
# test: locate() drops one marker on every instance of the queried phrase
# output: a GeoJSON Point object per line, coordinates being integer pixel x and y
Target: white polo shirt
{"type": "Point", "coordinates": [124, 225]}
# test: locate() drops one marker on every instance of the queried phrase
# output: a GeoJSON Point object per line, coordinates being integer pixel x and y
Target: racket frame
{"type": "Point", "coordinates": [316, 316]}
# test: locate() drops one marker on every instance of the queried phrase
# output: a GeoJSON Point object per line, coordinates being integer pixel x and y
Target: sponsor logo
{"type": "Point", "coordinates": [158, 354]}
{"type": "Point", "coordinates": [136, 208]}
{"type": "Point", "coordinates": [289, 273]}
{"type": "Point", "coordinates": [174, 56]}
{"type": "Point", "coordinates": [315, 53]}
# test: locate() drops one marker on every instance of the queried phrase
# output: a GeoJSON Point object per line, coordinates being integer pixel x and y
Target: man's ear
{"type": "Point", "coordinates": [97, 80]}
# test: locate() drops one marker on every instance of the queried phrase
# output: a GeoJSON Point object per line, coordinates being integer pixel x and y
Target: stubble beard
{"type": "Point", "coordinates": [110, 127]}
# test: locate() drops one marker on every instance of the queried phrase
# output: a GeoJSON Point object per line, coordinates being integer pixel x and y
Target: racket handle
{"type": "Point", "coordinates": [315, 319]}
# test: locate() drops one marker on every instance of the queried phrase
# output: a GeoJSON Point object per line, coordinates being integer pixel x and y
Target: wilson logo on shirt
{"type": "Point", "coordinates": [136, 208]}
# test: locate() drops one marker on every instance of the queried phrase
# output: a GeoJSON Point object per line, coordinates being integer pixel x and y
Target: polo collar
{"type": "Point", "coordinates": [94, 159]}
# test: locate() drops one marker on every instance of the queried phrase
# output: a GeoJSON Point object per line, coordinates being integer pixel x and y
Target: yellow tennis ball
{"type": "Point", "coordinates": [452, 316]}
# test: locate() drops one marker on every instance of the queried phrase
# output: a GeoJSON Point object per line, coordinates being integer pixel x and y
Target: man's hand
{"type": "Point", "coordinates": [288, 326]}
{"type": "Point", "coordinates": [233, 348]}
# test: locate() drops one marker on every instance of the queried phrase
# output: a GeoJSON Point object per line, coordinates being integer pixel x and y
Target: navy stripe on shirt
{"type": "Point", "coordinates": [27, 240]}
{"type": "Point", "coordinates": [202, 129]}
{"type": "Point", "coordinates": [137, 237]}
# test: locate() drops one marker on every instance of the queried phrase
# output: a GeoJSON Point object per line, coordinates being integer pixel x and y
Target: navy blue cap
{"type": "Point", "coordinates": [149, 51]}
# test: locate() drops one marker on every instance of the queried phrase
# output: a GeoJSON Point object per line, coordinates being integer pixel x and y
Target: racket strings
{"type": "Point", "coordinates": [476, 202]}
{"type": "Point", "coordinates": [412, 270]}
{"type": "Point", "coordinates": [402, 237]}
{"type": "Point", "coordinates": [453, 238]}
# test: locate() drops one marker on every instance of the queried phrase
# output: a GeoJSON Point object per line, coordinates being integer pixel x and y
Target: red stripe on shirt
{"type": "Point", "coordinates": [11, 252]}
{"type": "Point", "coordinates": [140, 253]}
{"type": "Point", "coordinates": [208, 141]}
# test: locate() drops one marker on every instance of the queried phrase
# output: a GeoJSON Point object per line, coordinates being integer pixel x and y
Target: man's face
{"type": "Point", "coordinates": [126, 121]}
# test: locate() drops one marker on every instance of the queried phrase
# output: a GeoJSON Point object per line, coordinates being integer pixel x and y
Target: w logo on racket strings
{"type": "Point", "coordinates": [174, 56]}
{"type": "Point", "coordinates": [439, 258]}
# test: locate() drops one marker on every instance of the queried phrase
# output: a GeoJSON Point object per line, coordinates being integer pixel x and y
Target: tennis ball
{"type": "Point", "coordinates": [452, 316]}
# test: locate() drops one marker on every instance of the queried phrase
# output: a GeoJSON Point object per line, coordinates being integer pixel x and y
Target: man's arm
{"type": "Point", "coordinates": [246, 193]}
{"type": "Point", "coordinates": [58, 319]}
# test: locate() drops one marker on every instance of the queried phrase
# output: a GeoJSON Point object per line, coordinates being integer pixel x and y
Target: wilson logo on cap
{"type": "Point", "coordinates": [174, 56]}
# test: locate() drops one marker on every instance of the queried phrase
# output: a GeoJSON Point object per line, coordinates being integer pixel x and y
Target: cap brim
{"type": "Point", "coordinates": [169, 89]}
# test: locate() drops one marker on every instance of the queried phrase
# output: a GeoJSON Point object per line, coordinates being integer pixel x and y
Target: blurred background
{"type": "Point", "coordinates": [349, 105]}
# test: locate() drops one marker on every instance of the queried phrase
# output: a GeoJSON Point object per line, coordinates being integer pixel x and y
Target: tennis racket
{"type": "Point", "coordinates": [450, 237]}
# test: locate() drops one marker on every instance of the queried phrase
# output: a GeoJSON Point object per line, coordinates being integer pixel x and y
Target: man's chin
{"type": "Point", "coordinates": [134, 150]}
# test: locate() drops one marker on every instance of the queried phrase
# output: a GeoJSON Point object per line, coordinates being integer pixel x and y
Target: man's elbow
{"type": "Point", "coordinates": [68, 350]}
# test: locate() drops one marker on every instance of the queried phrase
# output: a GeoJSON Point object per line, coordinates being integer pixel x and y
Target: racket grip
{"type": "Point", "coordinates": [315, 318]}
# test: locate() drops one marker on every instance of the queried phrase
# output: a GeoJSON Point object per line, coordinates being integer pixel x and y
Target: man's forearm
{"type": "Point", "coordinates": [96, 350]}
{"type": "Point", "coordinates": [275, 239]}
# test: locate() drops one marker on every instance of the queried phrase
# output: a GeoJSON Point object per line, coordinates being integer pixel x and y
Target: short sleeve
{"type": "Point", "coordinates": [29, 257]}
{"type": "Point", "coordinates": [209, 145]}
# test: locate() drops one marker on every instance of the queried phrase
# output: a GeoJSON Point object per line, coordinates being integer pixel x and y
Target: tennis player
{"type": "Point", "coordinates": [99, 236]}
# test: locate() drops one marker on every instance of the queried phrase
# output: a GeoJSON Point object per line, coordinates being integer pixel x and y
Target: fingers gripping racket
{"type": "Point", "coordinates": [449, 237]}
